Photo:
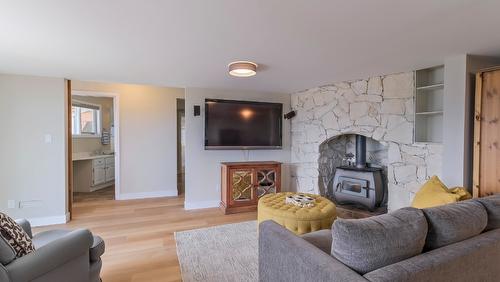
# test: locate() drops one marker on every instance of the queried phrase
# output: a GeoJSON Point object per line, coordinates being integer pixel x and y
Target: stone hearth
{"type": "Point", "coordinates": [380, 108]}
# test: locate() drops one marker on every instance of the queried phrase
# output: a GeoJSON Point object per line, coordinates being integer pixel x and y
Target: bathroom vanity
{"type": "Point", "coordinates": [91, 173]}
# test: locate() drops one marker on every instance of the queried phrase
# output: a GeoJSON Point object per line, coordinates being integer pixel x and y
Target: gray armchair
{"type": "Point", "coordinates": [60, 255]}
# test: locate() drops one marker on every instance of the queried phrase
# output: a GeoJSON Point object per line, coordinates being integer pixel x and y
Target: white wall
{"type": "Point", "coordinates": [459, 91]}
{"type": "Point", "coordinates": [203, 166]}
{"type": "Point", "coordinates": [148, 149]}
{"type": "Point", "coordinates": [31, 167]}
{"type": "Point", "coordinates": [454, 120]}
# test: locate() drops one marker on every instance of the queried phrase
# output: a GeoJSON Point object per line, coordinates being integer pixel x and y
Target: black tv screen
{"type": "Point", "coordinates": [242, 124]}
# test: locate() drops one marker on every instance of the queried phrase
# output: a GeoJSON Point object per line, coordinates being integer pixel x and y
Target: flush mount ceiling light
{"type": "Point", "coordinates": [242, 69]}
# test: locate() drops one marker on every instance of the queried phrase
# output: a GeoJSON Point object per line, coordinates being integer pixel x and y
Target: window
{"type": "Point", "coordinates": [86, 119]}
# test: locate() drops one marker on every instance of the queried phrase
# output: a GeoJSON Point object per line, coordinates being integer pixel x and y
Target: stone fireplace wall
{"type": "Point", "coordinates": [379, 107]}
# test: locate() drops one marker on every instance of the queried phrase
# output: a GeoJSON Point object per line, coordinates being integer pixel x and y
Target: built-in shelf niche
{"type": "Point", "coordinates": [429, 91]}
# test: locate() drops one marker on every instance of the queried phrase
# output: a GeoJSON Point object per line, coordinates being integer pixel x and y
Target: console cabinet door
{"type": "Point", "coordinates": [242, 190]}
{"type": "Point", "coordinates": [266, 180]}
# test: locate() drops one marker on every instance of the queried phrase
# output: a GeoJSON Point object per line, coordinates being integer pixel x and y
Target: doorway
{"type": "Point", "coordinates": [181, 141]}
{"type": "Point", "coordinates": [94, 154]}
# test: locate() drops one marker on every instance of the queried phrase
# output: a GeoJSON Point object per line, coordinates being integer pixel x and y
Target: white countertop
{"type": "Point", "coordinates": [86, 156]}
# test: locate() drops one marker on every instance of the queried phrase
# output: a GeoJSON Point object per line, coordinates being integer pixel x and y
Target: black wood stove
{"type": "Point", "coordinates": [359, 184]}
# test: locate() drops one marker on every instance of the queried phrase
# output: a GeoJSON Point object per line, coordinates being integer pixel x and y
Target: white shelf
{"type": "Point", "coordinates": [427, 143]}
{"type": "Point", "coordinates": [429, 91]}
{"type": "Point", "coordinates": [429, 77]}
{"type": "Point", "coordinates": [429, 128]}
{"type": "Point", "coordinates": [431, 87]}
{"type": "Point", "coordinates": [430, 113]}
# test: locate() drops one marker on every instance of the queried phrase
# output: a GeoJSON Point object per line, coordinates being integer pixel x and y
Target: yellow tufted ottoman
{"type": "Point", "coordinates": [294, 218]}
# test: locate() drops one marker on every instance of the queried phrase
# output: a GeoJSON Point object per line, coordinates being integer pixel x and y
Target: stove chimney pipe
{"type": "Point", "coordinates": [360, 151]}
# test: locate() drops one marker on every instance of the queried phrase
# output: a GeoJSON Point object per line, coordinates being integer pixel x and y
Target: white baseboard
{"type": "Point", "coordinates": [145, 195]}
{"type": "Point", "coordinates": [201, 205]}
{"type": "Point", "coordinates": [48, 220]}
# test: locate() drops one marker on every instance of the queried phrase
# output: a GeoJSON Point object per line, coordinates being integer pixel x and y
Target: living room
{"type": "Point", "coordinates": [318, 141]}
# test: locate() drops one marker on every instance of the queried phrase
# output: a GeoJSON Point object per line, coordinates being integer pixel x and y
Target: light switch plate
{"type": "Point", "coordinates": [11, 204]}
{"type": "Point", "coordinates": [47, 138]}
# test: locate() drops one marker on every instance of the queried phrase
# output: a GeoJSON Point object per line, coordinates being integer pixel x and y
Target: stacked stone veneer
{"type": "Point", "coordinates": [381, 108]}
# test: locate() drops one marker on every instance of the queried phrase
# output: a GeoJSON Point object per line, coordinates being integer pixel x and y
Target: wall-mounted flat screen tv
{"type": "Point", "coordinates": [242, 125]}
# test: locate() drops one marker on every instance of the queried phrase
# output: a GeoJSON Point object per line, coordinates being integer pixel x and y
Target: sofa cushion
{"type": "Point", "coordinates": [43, 238]}
{"type": "Point", "coordinates": [472, 260]}
{"type": "Point", "coordinates": [7, 253]}
{"type": "Point", "coordinates": [97, 249]}
{"type": "Point", "coordinates": [367, 244]}
{"type": "Point", "coordinates": [452, 223]}
{"type": "Point", "coordinates": [492, 205]}
{"type": "Point", "coordinates": [322, 239]}
{"type": "Point", "coordinates": [26, 226]}
{"type": "Point", "coordinates": [14, 235]}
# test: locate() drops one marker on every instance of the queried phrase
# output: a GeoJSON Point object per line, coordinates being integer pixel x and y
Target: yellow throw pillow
{"type": "Point", "coordinates": [462, 192]}
{"type": "Point", "coordinates": [434, 193]}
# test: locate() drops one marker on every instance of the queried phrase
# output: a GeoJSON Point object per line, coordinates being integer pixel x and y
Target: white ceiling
{"type": "Point", "coordinates": [186, 43]}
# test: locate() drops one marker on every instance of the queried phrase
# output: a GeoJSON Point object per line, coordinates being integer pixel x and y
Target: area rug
{"type": "Point", "coordinates": [220, 253]}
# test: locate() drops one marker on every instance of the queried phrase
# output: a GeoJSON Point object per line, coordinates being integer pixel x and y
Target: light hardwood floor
{"type": "Point", "coordinates": [107, 193]}
{"type": "Point", "coordinates": [139, 234]}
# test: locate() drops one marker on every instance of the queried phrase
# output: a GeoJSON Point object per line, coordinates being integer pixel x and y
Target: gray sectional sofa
{"type": "Point", "coordinates": [455, 242]}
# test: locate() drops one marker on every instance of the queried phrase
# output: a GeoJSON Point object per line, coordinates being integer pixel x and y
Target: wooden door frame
{"type": "Point", "coordinates": [116, 121]}
{"type": "Point", "coordinates": [476, 173]}
{"type": "Point", "coordinates": [477, 135]}
{"type": "Point", "coordinates": [69, 152]}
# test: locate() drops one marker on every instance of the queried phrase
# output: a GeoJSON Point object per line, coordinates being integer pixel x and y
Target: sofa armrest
{"type": "Point", "coordinates": [50, 256]}
{"type": "Point", "coordinates": [26, 226]}
{"type": "Point", "coordinates": [283, 256]}
{"type": "Point", "coordinates": [97, 249]}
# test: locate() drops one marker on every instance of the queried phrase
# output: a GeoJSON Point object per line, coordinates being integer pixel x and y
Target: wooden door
{"type": "Point", "coordinates": [487, 134]}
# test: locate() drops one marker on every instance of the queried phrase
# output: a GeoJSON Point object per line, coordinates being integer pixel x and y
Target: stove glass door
{"type": "Point", "coordinates": [353, 186]}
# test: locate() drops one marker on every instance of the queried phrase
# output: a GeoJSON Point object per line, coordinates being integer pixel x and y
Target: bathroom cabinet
{"type": "Point", "coordinates": [93, 174]}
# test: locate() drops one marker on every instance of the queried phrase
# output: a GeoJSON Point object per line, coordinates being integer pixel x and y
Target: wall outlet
{"type": "Point", "coordinates": [11, 204]}
{"type": "Point", "coordinates": [30, 204]}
